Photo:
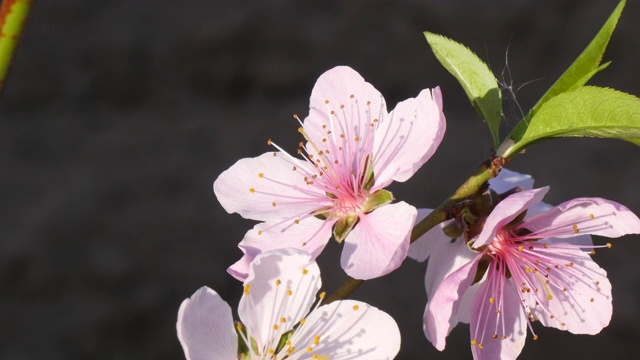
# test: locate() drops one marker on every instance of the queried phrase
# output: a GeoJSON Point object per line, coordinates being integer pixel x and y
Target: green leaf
{"type": "Point", "coordinates": [585, 112]}
{"type": "Point", "coordinates": [578, 74]}
{"type": "Point", "coordinates": [476, 79]}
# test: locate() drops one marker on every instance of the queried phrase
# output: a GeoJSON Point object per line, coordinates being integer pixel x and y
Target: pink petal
{"type": "Point", "coordinates": [486, 321]}
{"type": "Point", "coordinates": [279, 185]}
{"type": "Point", "coordinates": [310, 234]}
{"type": "Point", "coordinates": [342, 86]}
{"type": "Point", "coordinates": [507, 180]}
{"type": "Point", "coordinates": [445, 302]}
{"type": "Point", "coordinates": [408, 137]}
{"type": "Point", "coordinates": [379, 242]}
{"type": "Point", "coordinates": [422, 248]}
{"type": "Point", "coordinates": [507, 210]}
{"type": "Point", "coordinates": [580, 294]}
{"type": "Point", "coordinates": [205, 327]}
{"type": "Point", "coordinates": [593, 216]}
{"type": "Point", "coordinates": [348, 329]}
{"type": "Point", "coordinates": [266, 301]}
{"type": "Point", "coordinates": [446, 257]}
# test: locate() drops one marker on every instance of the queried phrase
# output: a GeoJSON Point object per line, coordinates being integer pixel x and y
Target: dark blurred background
{"type": "Point", "coordinates": [118, 115]}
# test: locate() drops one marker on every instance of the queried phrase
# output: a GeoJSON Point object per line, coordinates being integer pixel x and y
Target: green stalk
{"type": "Point", "coordinates": [13, 14]}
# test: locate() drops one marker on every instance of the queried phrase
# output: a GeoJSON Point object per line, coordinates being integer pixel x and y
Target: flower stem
{"type": "Point", "coordinates": [487, 170]}
{"type": "Point", "coordinates": [13, 14]}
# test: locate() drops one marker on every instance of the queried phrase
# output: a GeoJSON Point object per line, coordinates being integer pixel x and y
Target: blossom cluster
{"type": "Point", "coordinates": [499, 267]}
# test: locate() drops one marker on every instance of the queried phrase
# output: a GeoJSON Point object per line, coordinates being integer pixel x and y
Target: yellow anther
{"type": "Point", "coordinates": [289, 292]}
{"type": "Point", "coordinates": [283, 320]}
{"type": "Point", "coordinates": [520, 248]}
{"type": "Point", "coordinates": [252, 190]}
{"type": "Point", "coordinates": [305, 271]}
{"type": "Point", "coordinates": [480, 346]}
{"type": "Point", "coordinates": [575, 229]}
{"type": "Point", "coordinates": [473, 342]}
{"type": "Point", "coordinates": [326, 101]}
{"type": "Point", "coordinates": [492, 300]}
{"type": "Point", "coordinates": [275, 326]}
{"type": "Point", "coordinates": [495, 336]}
{"type": "Point", "coordinates": [322, 295]}
{"type": "Point", "coordinates": [302, 321]}
{"type": "Point", "coordinates": [259, 232]}
{"type": "Point", "coordinates": [269, 142]}
{"type": "Point", "coordinates": [341, 106]}
{"type": "Point", "coordinates": [368, 102]}
{"type": "Point", "coordinates": [597, 282]}
{"type": "Point", "coordinates": [273, 204]}
{"type": "Point", "coordinates": [260, 175]}
{"type": "Point", "coordinates": [549, 297]}
{"type": "Point", "coordinates": [278, 282]}
{"type": "Point", "coordinates": [309, 349]}
{"type": "Point", "coordinates": [535, 337]}
{"type": "Point", "coordinates": [357, 139]}
{"type": "Point", "coordinates": [246, 289]}
{"type": "Point", "coordinates": [562, 324]}
{"type": "Point", "coordinates": [591, 216]}
{"type": "Point", "coordinates": [316, 340]}
{"type": "Point", "coordinates": [609, 245]}
{"type": "Point", "coordinates": [545, 246]}
{"type": "Point", "coordinates": [296, 221]}
{"type": "Point", "coordinates": [294, 168]}
{"type": "Point", "coordinates": [528, 270]}
{"type": "Point", "coordinates": [592, 299]}
{"type": "Point", "coordinates": [356, 307]}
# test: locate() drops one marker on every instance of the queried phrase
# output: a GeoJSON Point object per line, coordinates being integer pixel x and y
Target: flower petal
{"type": "Point", "coordinates": [421, 249]}
{"type": "Point", "coordinates": [446, 257]}
{"type": "Point", "coordinates": [205, 327]}
{"type": "Point", "coordinates": [266, 188]}
{"type": "Point", "coordinates": [593, 216]}
{"type": "Point", "coordinates": [310, 234]}
{"type": "Point", "coordinates": [507, 210]}
{"type": "Point", "coordinates": [379, 242]}
{"type": "Point", "coordinates": [445, 302]}
{"type": "Point", "coordinates": [408, 137]}
{"type": "Point", "coordinates": [279, 291]}
{"type": "Point", "coordinates": [343, 91]}
{"type": "Point", "coordinates": [507, 180]}
{"type": "Point", "coordinates": [347, 329]}
{"type": "Point", "coordinates": [579, 295]}
{"type": "Point", "coordinates": [487, 323]}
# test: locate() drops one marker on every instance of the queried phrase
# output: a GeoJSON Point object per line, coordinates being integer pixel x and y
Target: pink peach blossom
{"type": "Point", "coordinates": [278, 305]}
{"type": "Point", "coordinates": [516, 272]}
{"type": "Point", "coordinates": [353, 149]}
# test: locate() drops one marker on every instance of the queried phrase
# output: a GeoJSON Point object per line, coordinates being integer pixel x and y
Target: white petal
{"type": "Point", "coordinates": [513, 327]}
{"type": "Point", "coordinates": [342, 87]}
{"type": "Point", "coordinates": [348, 329]}
{"type": "Point", "coordinates": [280, 192]}
{"type": "Point", "coordinates": [310, 234]}
{"type": "Point", "coordinates": [580, 294]}
{"type": "Point", "coordinates": [408, 137]}
{"type": "Point", "coordinates": [507, 180]}
{"type": "Point", "coordinates": [507, 210]}
{"type": "Point", "coordinates": [282, 285]}
{"type": "Point", "coordinates": [421, 249]}
{"type": "Point", "coordinates": [379, 242]}
{"type": "Point", "coordinates": [205, 327]}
